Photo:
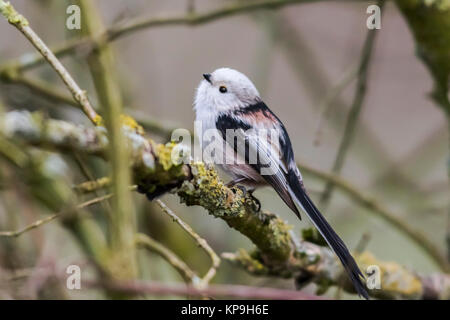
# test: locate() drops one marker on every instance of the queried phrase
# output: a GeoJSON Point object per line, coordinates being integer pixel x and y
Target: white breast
{"type": "Point", "coordinates": [231, 163]}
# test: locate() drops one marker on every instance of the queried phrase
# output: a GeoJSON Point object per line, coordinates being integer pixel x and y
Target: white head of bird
{"type": "Point", "coordinates": [225, 89]}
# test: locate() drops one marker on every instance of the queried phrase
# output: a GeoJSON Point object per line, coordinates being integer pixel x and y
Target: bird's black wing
{"type": "Point", "coordinates": [289, 178]}
{"type": "Point", "coordinates": [243, 135]}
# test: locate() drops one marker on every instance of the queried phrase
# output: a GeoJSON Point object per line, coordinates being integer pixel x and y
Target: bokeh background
{"type": "Point", "coordinates": [295, 56]}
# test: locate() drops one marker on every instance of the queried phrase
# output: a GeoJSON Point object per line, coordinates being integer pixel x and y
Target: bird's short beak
{"type": "Point", "coordinates": [207, 77]}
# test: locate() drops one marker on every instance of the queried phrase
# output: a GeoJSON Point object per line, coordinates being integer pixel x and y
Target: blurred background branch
{"type": "Point", "coordinates": [116, 32]}
{"type": "Point", "coordinates": [355, 110]}
{"type": "Point", "coordinates": [430, 23]}
{"type": "Point", "coordinates": [122, 223]}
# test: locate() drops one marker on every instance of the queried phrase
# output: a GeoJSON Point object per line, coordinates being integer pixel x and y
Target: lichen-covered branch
{"type": "Point", "coordinates": [35, 129]}
{"type": "Point", "coordinates": [319, 265]}
{"type": "Point", "coordinates": [268, 232]}
{"type": "Point", "coordinates": [280, 254]}
{"type": "Point", "coordinates": [122, 222]}
{"type": "Point", "coordinates": [278, 251]}
{"type": "Point", "coordinates": [234, 291]}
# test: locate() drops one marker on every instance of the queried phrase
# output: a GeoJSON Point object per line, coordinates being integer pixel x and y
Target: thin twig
{"type": "Point", "coordinates": [355, 110]}
{"type": "Point", "coordinates": [40, 222]}
{"type": "Point", "coordinates": [327, 103]}
{"type": "Point", "coordinates": [46, 90]}
{"type": "Point", "coordinates": [175, 261]}
{"type": "Point", "coordinates": [190, 6]}
{"type": "Point", "coordinates": [373, 205]}
{"type": "Point", "coordinates": [118, 31]}
{"type": "Point", "coordinates": [215, 260]}
{"type": "Point", "coordinates": [362, 243]}
{"type": "Point", "coordinates": [22, 25]}
{"type": "Point", "coordinates": [90, 177]}
{"type": "Point", "coordinates": [43, 88]}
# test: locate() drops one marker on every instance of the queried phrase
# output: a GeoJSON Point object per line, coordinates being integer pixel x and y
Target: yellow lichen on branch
{"type": "Point", "coordinates": [396, 281]}
{"type": "Point", "coordinates": [278, 251]}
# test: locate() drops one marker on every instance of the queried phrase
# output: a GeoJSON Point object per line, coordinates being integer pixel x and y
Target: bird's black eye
{"type": "Point", "coordinates": [223, 89]}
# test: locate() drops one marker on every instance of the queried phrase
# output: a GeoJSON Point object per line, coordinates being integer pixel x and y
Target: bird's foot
{"type": "Point", "coordinates": [234, 182]}
{"type": "Point", "coordinates": [255, 201]}
{"type": "Point", "coordinates": [243, 189]}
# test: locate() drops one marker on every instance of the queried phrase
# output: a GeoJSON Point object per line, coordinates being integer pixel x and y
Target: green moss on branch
{"type": "Point", "coordinates": [278, 252]}
{"type": "Point", "coordinates": [267, 231]}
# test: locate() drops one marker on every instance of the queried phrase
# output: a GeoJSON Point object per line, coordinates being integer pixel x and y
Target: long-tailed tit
{"type": "Point", "coordinates": [227, 102]}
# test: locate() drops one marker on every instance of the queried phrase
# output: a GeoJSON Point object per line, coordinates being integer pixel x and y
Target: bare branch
{"type": "Point", "coordinates": [305, 65]}
{"type": "Point", "coordinates": [215, 260]}
{"type": "Point", "coordinates": [91, 186]}
{"type": "Point", "coordinates": [430, 29]}
{"type": "Point", "coordinates": [152, 245]}
{"type": "Point", "coordinates": [38, 223]}
{"type": "Point", "coordinates": [22, 25]}
{"type": "Point", "coordinates": [375, 206]}
{"type": "Point", "coordinates": [122, 30]}
{"type": "Point", "coordinates": [234, 291]}
{"type": "Point", "coordinates": [327, 102]}
{"type": "Point", "coordinates": [40, 87]}
{"type": "Point", "coordinates": [66, 136]}
{"type": "Point", "coordinates": [355, 110]}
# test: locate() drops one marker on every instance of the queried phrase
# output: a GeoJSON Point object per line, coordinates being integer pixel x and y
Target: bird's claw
{"type": "Point", "coordinates": [255, 201]}
{"type": "Point", "coordinates": [244, 190]}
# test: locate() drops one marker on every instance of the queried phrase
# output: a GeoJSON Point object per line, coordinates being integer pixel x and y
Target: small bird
{"type": "Point", "coordinates": [227, 102]}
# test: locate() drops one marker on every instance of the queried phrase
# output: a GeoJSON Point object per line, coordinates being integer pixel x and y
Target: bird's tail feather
{"type": "Point", "coordinates": [330, 236]}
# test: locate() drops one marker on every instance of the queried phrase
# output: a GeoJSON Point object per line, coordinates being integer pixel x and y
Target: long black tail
{"type": "Point", "coordinates": [329, 234]}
